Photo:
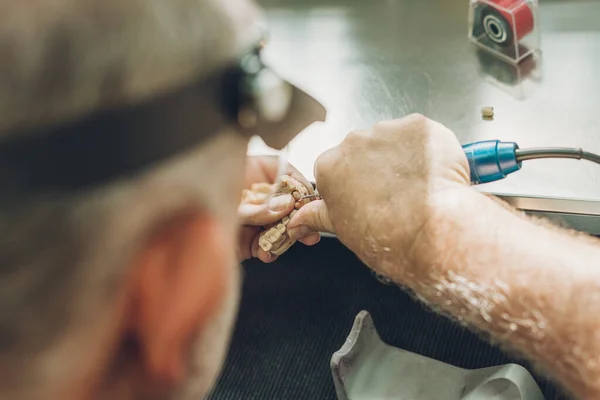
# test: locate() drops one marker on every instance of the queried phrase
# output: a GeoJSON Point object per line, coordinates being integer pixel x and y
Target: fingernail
{"type": "Point", "coordinates": [299, 232]}
{"type": "Point", "coordinates": [280, 203]}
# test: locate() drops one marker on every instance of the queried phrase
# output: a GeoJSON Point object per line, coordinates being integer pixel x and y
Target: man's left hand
{"type": "Point", "coordinates": [253, 217]}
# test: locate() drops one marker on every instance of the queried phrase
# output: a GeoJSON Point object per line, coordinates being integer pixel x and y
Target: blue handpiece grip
{"type": "Point", "coordinates": [491, 160]}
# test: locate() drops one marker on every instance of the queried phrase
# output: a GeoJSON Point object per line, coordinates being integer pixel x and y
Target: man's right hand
{"type": "Point", "coordinates": [397, 195]}
{"type": "Point", "coordinates": [381, 186]}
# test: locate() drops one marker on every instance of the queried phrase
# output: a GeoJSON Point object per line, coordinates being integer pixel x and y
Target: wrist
{"type": "Point", "coordinates": [415, 244]}
{"type": "Point", "coordinates": [456, 217]}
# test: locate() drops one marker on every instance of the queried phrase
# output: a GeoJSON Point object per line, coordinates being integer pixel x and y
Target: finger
{"type": "Point", "coordinates": [258, 169]}
{"type": "Point", "coordinates": [269, 167]}
{"type": "Point", "coordinates": [311, 239]}
{"type": "Point", "coordinates": [326, 166]}
{"type": "Point", "coordinates": [266, 256]}
{"type": "Point", "coordinates": [311, 218]}
{"type": "Point", "coordinates": [268, 213]}
{"type": "Point", "coordinates": [296, 174]}
{"type": "Point", "coordinates": [244, 248]}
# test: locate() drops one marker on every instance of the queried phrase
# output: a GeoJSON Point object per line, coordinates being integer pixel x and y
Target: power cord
{"type": "Point", "coordinates": [556, 152]}
{"type": "Point", "coordinates": [492, 160]}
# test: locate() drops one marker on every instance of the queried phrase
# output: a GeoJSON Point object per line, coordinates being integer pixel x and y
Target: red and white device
{"type": "Point", "coordinates": [506, 28]}
{"type": "Point", "coordinates": [506, 21]}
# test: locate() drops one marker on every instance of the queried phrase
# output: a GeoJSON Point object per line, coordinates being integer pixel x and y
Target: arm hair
{"type": "Point", "coordinates": [532, 287]}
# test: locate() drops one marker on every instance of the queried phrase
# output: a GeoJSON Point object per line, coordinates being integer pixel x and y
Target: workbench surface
{"type": "Point", "coordinates": [382, 59]}
{"type": "Point", "coordinates": [296, 312]}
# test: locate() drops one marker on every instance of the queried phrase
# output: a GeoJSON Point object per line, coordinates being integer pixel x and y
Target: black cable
{"type": "Point", "coordinates": [556, 152]}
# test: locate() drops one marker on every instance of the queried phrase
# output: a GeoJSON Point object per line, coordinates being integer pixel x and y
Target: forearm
{"type": "Point", "coordinates": [531, 287]}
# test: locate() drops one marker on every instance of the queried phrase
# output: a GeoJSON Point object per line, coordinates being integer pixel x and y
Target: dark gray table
{"type": "Point", "coordinates": [296, 312]}
{"type": "Point", "coordinates": [380, 59]}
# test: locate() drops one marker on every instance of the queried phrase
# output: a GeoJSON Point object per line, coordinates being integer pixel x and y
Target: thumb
{"type": "Point", "coordinates": [313, 217]}
{"type": "Point", "coordinates": [267, 213]}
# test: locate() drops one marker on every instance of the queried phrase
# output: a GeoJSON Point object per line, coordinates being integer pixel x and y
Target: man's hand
{"type": "Point", "coordinates": [263, 169]}
{"type": "Point", "coordinates": [397, 196]}
{"type": "Point", "coordinates": [379, 186]}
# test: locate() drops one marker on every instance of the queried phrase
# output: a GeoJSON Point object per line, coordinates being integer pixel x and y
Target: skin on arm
{"type": "Point", "coordinates": [398, 195]}
{"type": "Point", "coordinates": [532, 287]}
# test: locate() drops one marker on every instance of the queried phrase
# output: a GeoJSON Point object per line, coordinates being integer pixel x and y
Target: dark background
{"type": "Point", "coordinates": [298, 311]}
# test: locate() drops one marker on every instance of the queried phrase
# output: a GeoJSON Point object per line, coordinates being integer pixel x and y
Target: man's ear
{"type": "Point", "coordinates": [180, 278]}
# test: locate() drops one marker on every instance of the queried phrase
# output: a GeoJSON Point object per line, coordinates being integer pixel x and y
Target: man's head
{"type": "Point", "coordinates": [128, 289]}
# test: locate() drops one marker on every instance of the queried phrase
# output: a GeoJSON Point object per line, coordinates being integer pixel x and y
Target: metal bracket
{"type": "Point", "coordinates": [367, 368]}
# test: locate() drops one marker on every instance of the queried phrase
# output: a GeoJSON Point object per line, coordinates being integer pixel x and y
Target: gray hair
{"type": "Point", "coordinates": [61, 258]}
{"type": "Point", "coordinates": [64, 58]}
